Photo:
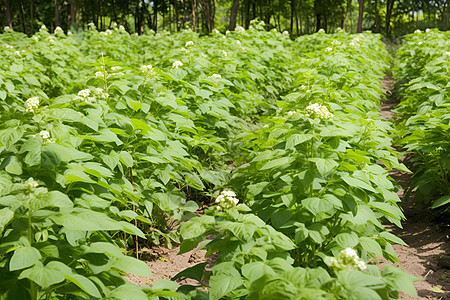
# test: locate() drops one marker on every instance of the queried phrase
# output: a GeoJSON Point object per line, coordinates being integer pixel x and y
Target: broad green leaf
{"type": "Point", "coordinates": [132, 265]}
{"type": "Point", "coordinates": [43, 276]}
{"type": "Point", "coordinates": [24, 257]}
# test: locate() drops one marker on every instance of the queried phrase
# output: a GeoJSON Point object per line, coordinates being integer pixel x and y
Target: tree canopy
{"type": "Point", "coordinates": [390, 17]}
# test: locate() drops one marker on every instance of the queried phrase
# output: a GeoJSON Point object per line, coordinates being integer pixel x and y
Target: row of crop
{"type": "Point", "coordinates": [303, 211]}
{"type": "Point", "coordinates": [93, 141]}
{"type": "Point", "coordinates": [422, 71]}
{"type": "Point", "coordinates": [112, 140]}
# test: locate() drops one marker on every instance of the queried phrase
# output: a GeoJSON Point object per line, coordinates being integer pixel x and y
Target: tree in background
{"type": "Point", "coordinates": [390, 17]}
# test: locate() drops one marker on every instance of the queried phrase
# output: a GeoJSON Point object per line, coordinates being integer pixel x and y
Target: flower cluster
{"type": "Point", "coordinates": [184, 50]}
{"type": "Point", "coordinates": [348, 260]}
{"type": "Point", "coordinates": [45, 135]}
{"type": "Point", "coordinates": [417, 31]}
{"type": "Point", "coordinates": [31, 183]}
{"type": "Point", "coordinates": [216, 76]}
{"type": "Point", "coordinates": [85, 95]}
{"type": "Point", "coordinates": [239, 28]}
{"type": "Point", "coordinates": [285, 32]}
{"type": "Point", "coordinates": [100, 93]}
{"type": "Point", "coordinates": [177, 64]}
{"type": "Point", "coordinates": [51, 41]}
{"type": "Point", "coordinates": [147, 69]}
{"type": "Point", "coordinates": [318, 111]}
{"type": "Point", "coordinates": [31, 104]}
{"type": "Point", "coordinates": [224, 53]}
{"type": "Point", "coordinates": [7, 28]}
{"type": "Point", "coordinates": [100, 75]}
{"type": "Point", "coordinates": [328, 49]}
{"type": "Point", "coordinates": [43, 28]}
{"type": "Point", "coordinates": [59, 31]}
{"type": "Point", "coordinates": [189, 43]}
{"type": "Point", "coordinates": [447, 53]}
{"type": "Point", "coordinates": [354, 42]}
{"type": "Point", "coordinates": [226, 200]}
{"type": "Point", "coordinates": [335, 43]}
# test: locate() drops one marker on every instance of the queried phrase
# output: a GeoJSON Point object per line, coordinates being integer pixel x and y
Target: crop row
{"type": "Point", "coordinates": [423, 75]}
{"type": "Point", "coordinates": [106, 137]}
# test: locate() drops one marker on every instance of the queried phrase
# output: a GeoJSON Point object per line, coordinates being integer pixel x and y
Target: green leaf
{"type": "Point", "coordinates": [132, 265]}
{"type": "Point", "coordinates": [355, 182]}
{"type": "Point", "coordinates": [299, 138]}
{"type": "Point", "coordinates": [126, 158]}
{"type": "Point", "coordinates": [347, 240]}
{"type": "Point", "coordinates": [43, 276]}
{"type": "Point", "coordinates": [85, 284]}
{"type": "Point", "coordinates": [6, 215]}
{"type": "Point", "coordinates": [370, 245]}
{"type": "Point", "coordinates": [222, 285]}
{"type": "Point", "coordinates": [276, 163]}
{"type": "Point", "coordinates": [441, 201]}
{"type": "Point", "coordinates": [51, 199]}
{"type": "Point", "coordinates": [128, 291]}
{"type": "Point", "coordinates": [196, 272]}
{"type": "Point", "coordinates": [24, 257]}
{"type": "Point", "coordinates": [325, 166]}
{"type": "Point", "coordinates": [86, 220]}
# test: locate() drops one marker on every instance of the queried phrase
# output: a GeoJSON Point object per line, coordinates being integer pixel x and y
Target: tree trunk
{"type": "Point", "coordinates": [8, 14]}
{"type": "Point", "coordinates": [194, 17]}
{"type": "Point", "coordinates": [447, 16]}
{"type": "Point", "coordinates": [389, 7]}
{"type": "Point", "coordinates": [293, 3]}
{"type": "Point", "coordinates": [359, 27]}
{"type": "Point", "coordinates": [22, 16]}
{"type": "Point", "coordinates": [233, 14]}
{"type": "Point", "coordinates": [57, 14]}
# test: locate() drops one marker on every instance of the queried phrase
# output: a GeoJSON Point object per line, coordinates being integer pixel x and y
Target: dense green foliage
{"type": "Point", "coordinates": [106, 137]}
{"type": "Point", "coordinates": [423, 72]}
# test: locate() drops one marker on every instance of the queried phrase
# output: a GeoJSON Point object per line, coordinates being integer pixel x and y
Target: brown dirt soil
{"type": "Point", "coordinates": [425, 257]}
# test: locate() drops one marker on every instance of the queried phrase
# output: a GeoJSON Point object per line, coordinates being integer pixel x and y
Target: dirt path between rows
{"type": "Point", "coordinates": [426, 232]}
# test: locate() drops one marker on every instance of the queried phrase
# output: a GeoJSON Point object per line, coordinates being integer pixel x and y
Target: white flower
{"type": "Point", "coordinates": [118, 74]}
{"type": "Point", "coordinates": [58, 30]}
{"type": "Point", "coordinates": [321, 30]}
{"type": "Point", "coordinates": [31, 183]}
{"type": "Point", "coordinates": [239, 28]}
{"type": "Point", "coordinates": [328, 49]}
{"type": "Point", "coordinates": [189, 43]}
{"type": "Point", "coordinates": [43, 28]}
{"type": "Point", "coordinates": [17, 53]}
{"type": "Point", "coordinates": [238, 42]}
{"type": "Point", "coordinates": [184, 50]}
{"type": "Point", "coordinates": [100, 93]}
{"type": "Point", "coordinates": [177, 64]}
{"type": "Point", "coordinates": [427, 30]}
{"type": "Point", "coordinates": [291, 113]}
{"type": "Point", "coordinates": [44, 134]}
{"type": "Point", "coordinates": [31, 104]}
{"type": "Point", "coordinates": [69, 33]}
{"type": "Point", "coordinates": [347, 260]}
{"type": "Point", "coordinates": [35, 38]}
{"type": "Point", "coordinates": [216, 76]}
{"type": "Point", "coordinates": [352, 44]}
{"type": "Point", "coordinates": [418, 31]}
{"type": "Point", "coordinates": [349, 253]}
{"type": "Point", "coordinates": [121, 28]}
{"type": "Point", "coordinates": [116, 68]}
{"type": "Point", "coordinates": [227, 32]}
{"type": "Point", "coordinates": [51, 41]}
{"type": "Point", "coordinates": [215, 31]}
{"type": "Point", "coordinates": [9, 46]}
{"type": "Point", "coordinates": [420, 43]}
{"type": "Point", "coordinates": [7, 28]}
{"type": "Point", "coordinates": [99, 74]}
{"type": "Point", "coordinates": [335, 43]}
{"type": "Point", "coordinates": [148, 69]}
{"type": "Point", "coordinates": [91, 26]}
{"type": "Point", "coordinates": [108, 31]}
{"type": "Point", "coordinates": [303, 87]}
{"type": "Point", "coordinates": [84, 93]}
{"type": "Point", "coordinates": [318, 111]}
{"type": "Point", "coordinates": [447, 53]}
{"type": "Point", "coordinates": [285, 32]}
{"type": "Point", "coordinates": [224, 53]}
{"type": "Point", "coordinates": [226, 200]}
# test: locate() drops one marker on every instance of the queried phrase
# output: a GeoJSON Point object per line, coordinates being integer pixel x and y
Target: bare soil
{"type": "Point", "coordinates": [426, 232]}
